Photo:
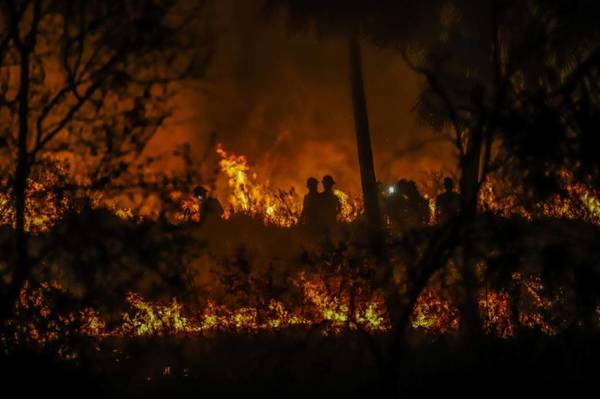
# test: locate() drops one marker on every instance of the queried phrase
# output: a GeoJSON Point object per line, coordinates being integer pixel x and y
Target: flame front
{"type": "Point", "coordinates": [275, 207]}
{"type": "Point", "coordinates": [334, 305]}
{"type": "Point", "coordinates": [332, 310]}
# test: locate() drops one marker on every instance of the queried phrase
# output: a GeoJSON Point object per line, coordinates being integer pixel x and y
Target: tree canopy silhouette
{"type": "Point", "coordinates": [516, 81]}
{"type": "Point", "coordinates": [88, 83]}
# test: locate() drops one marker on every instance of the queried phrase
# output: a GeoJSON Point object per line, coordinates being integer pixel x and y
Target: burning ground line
{"type": "Point", "coordinates": [329, 313]}
{"type": "Point", "coordinates": [38, 322]}
{"type": "Point", "coordinates": [328, 304]}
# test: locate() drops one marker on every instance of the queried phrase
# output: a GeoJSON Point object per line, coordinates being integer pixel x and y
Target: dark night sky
{"type": "Point", "coordinates": [283, 99]}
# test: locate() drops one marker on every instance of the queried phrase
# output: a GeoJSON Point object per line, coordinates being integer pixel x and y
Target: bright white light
{"type": "Point", "coordinates": [391, 190]}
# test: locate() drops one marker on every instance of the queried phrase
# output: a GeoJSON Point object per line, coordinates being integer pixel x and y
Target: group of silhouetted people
{"type": "Point", "coordinates": [404, 208]}
{"type": "Point", "coordinates": [448, 203]}
{"type": "Point", "coordinates": [320, 209]}
{"type": "Point", "coordinates": [211, 209]}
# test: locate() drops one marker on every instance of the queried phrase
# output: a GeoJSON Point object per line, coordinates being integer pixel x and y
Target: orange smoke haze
{"type": "Point", "coordinates": [283, 100]}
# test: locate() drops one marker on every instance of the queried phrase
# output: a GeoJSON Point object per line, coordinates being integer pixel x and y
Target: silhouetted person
{"type": "Point", "coordinates": [396, 205]}
{"type": "Point", "coordinates": [329, 204]}
{"type": "Point", "coordinates": [407, 209]}
{"type": "Point", "coordinates": [310, 206]}
{"type": "Point", "coordinates": [447, 204]}
{"type": "Point", "coordinates": [382, 198]}
{"type": "Point", "coordinates": [418, 206]}
{"type": "Point", "coordinates": [210, 208]}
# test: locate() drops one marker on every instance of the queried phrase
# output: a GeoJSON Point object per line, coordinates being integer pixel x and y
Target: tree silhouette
{"type": "Point", "coordinates": [354, 20]}
{"type": "Point", "coordinates": [92, 79]}
{"type": "Point", "coordinates": [515, 83]}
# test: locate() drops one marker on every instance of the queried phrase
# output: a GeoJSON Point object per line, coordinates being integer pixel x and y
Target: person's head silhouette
{"type": "Point", "coordinates": [312, 184]}
{"type": "Point", "coordinates": [448, 184]}
{"type": "Point", "coordinates": [328, 182]}
{"type": "Point", "coordinates": [200, 193]}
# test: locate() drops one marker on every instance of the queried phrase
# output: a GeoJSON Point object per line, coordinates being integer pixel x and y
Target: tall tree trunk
{"type": "Point", "coordinates": [363, 141]}
{"type": "Point", "coordinates": [469, 182]}
{"type": "Point", "coordinates": [21, 267]}
{"type": "Point", "coordinates": [469, 186]}
{"type": "Point", "coordinates": [390, 357]}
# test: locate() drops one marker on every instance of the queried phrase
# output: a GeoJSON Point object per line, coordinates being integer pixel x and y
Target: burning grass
{"type": "Point", "coordinates": [333, 303]}
{"type": "Point", "coordinates": [43, 321]}
{"type": "Point", "coordinates": [576, 202]}
{"type": "Point", "coordinates": [277, 207]}
{"type": "Point", "coordinates": [246, 194]}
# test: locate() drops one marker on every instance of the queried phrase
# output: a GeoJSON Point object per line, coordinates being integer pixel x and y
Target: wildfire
{"type": "Point", "coordinates": [499, 204]}
{"type": "Point", "coordinates": [46, 203]}
{"type": "Point", "coordinates": [494, 307]}
{"type": "Point", "coordinates": [333, 305]}
{"type": "Point", "coordinates": [432, 210]}
{"type": "Point", "coordinates": [320, 308]}
{"type": "Point", "coordinates": [154, 319]}
{"type": "Point", "coordinates": [351, 208]}
{"type": "Point", "coordinates": [38, 322]}
{"type": "Point", "coordinates": [433, 313]}
{"type": "Point", "coordinates": [579, 202]}
{"type": "Point", "coordinates": [250, 197]}
{"type": "Point", "coordinates": [43, 208]}
{"type": "Point", "coordinates": [539, 307]}
{"type": "Point", "coordinates": [276, 207]}
{"type": "Point", "coordinates": [347, 308]}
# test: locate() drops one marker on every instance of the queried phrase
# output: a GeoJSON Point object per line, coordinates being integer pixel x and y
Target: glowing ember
{"type": "Point", "coordinates": [432, 313]}
{"type": "Point", "coordinates": [154, 319]}
{"type": "Point", "coordinates": [43, 208]}
{"type": "Point", "coordinates": [494, 308]}
{"type": "Point", "coordinates": [432, 215]}
{"type": "Point", "coordinates": [537, 306]}
{"type": "Point", "coordinates": [580, 203]}
{"type": "Point", "coordinates": [505, 205]}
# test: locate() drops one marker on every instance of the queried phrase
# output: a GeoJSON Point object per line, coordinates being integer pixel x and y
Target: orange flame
{"type": "Point", "coordinates": [280, 208]}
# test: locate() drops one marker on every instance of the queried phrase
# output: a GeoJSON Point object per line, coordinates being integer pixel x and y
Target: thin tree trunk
{"type": "Point", "coordinates": [391, 357]}
{"type": "Point", "coordinates": [363, 142]}
{"type": "Point", "coordinates": [21, 269]}
{"type": "Point", "coordinates": [469, 185]}
{"type": "Point", "coordinates": [469, 182]}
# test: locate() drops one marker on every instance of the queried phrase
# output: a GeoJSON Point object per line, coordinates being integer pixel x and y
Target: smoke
{"type": "Point", "coordinates": [283, 99]}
